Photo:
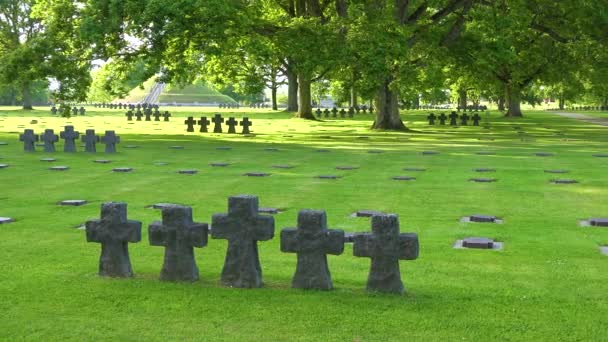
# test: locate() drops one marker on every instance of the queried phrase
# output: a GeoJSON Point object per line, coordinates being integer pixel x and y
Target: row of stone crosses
{"type": "Point", "coordinates": [217, 124]}
{"type": "Point", "coordinates": [148, 114]}
{"type": "Point", "coordinates": [231, 106]}
{"type": "Point", "coordinates": [464, 119]}
{"type": "Point", "coordinates": [351, 111]}
{"type": "Point", "coordinates": [29, 138]}
{"type": "Point", "coordinates": [243, 227]}
{"type": "Point", "coordinates": [75, 111]}
{"type": "Point", "coordinates": [129, 106]}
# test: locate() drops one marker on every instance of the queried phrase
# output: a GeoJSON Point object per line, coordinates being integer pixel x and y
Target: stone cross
{"type": "Point", "coordinates": [453, 118]}
{"type": "Point", "coordinates": [139, 114]}
{"type": "Point", "coordinates": [179, 235]}
{"type": "Point", "coordinates": [167, 115]}
{"type": "Point", "coordinates": [442, 118]}
{"type": "Point", "coordinates": [70, 136]}
{"type": "Point", "coordinates": [156, 115]}
{"type": "Point", "coordinates": [82, 111]}
{"type": "Point", "coordinates": [476, 118]}
{"type": "Point", "coordinates": [334, 112]}
{"type": "Point", "coordinates": [203, 122]}
{"type": "Point", "coordinates": [114, 232]}
{"type": "Point", "coordinates": [318, 111]}
{"type": "Point", "coordinates": [232, 123]}
{"type": "Point", "coordinates": [129, 116]}
{"type": "Point", "coordinates": [326, 112]}
{"type": "Point", "coordinates": [312, 241]}
{"type": "Point", "coordinates": [243, 228]}
{"type": "Point", "coordinates": [385, 246]}
{"type": "Point", "coordinates": [351, 112]}
{"type": "Point", "coordinates": [342, 113]}
{"type": "Point", "coordinates": [217, 120]}
{"type": "Point", "coordinates": [75, 111]}
{"type": "Point", "coordinates": [110, 139]}
{"type": "Point", "coordinates": [190, 123]}
{"type": "Point", "coordinates": [29, 138]}
{"type": "Point", "coordinates": [431, 118]}
{"type": "Point", "coordinates": [148, 114]}
{"type": "Point", "coordinates": [90, 139]}
{"type": "Point", "coordinates": [49, 138]}
{"type": "Point", "coordinates": [54, 110]}
{"type": "Point", "coordinates": [464, 119]}
{"type": "Point", "coordinates": [364, 109]}
{"type": "Point", "coordinates": [246, 124]}
{"type": "Point", "coordinates": [371, 109]}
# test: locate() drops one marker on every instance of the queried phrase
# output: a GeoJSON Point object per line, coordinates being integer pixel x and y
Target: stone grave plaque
{"type": "Point", "coordinates": [256, 174]}
{"type": "Point", "coordinates": [544, 154]}
{"type": "Point", "coordinates": [484, 169]}
{"type": "Point", "coordinates": [223, 148]}
{"type": "Point", "coordinates": [161, 163]}
{"type": "Point", "coordinates": [478, 242]}
{"type": "Point", "coordinates": [346, 167]}
{"type": "Point", "coordinates": [375, 151]}
{"type": "Point", "coordinates": [187, 172]}
{"type": "Point", "coordinates": [322, 150]}
{"type": "Point", "coordinates": [132, 146]}
{"type": "Point", "coordinates": [403, 178]}
{"type": "Point", "coordinates": [269, 211]}
{"type": "Point", "coordinates": [429, 153]}
{"type": "Point", "coordinates": [4, 220]}
{"type": "Point", "coordinates": [556, 171]}
{"type": "Point", "coordinates": [176, 147]}
{"type": "Point", "coordinates": [3, 166]}
{"type": "Point", "coordinates": [483, 180]}
{"type": "Point", "coordinates": [415, 169]}
{"type": "Point", "coordinates": [598, 222]}
{"type": "Point", "coordinates": [59, 168]}
{"type": "Point", "coordinates": [271, 149]}
{"type": "Point", "coordinates": [219, 164]}
{"type": "Point", "coordinates": [122, 169]}
{"type": "Point", "coordinates": [486, 153]}
{"type": "Point", "coordinates": [601, 155]}
{"type": "Point", "coordinates": [367, 213]}
{"type": "Point", "coordinates": [75, 203]}
{"type": "Point", "coordinates": [564, 181]}
{"type": "Point", "coordinates": [282, 167]}
{"type": "Point", "coordinates": [102, 161]}
{"type": "Point", "coordinates": [482, 218]}
{"type": "Point", "coordinates": [328, 177]}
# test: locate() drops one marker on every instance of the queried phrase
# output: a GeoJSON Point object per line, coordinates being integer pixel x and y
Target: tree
{"type": "Point", "coordinates": [34, 48]}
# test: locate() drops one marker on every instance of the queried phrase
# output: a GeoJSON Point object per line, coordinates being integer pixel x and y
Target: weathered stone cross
{"type": "Point", "coordinates": [203, 122]}
{"type": "Point", "coordinates": [312, 241]}
{"type": "Point", "coordinates": [110, 139]}
{"type": "Point", "coordinates": [246, 124]}
{"type": "Point", "coordinates": [385, 246]}
{"type": "Point", "coordinates": [49, 138]}
{"type": "Point", "coordinates": [90, 139]}
{"type": "Point", "coordinates": [70, 136]}
{"type": "Point", "coordinates": [129, 116]}
{"type": "Point", "coordinates": [190, 122]}
{"type": "Point", "coordinates": [156, 115]}
{"type": "Point", "coordinates": [114, 232]}
{"type": "Point", "coordinates": [167, 115]}
{"type": "Point", "coordinates": [232, 123]}
{"type": "Point", "coordinates": [217, 120]}
{"type": "Point", "coordinates": [178, 234]}
{"type": "Point", "coordinates": [29, 138]}
{"type": "Point", "coordinates": [243, 228]}
{"type": "Point", "coordinates": [139, 115]}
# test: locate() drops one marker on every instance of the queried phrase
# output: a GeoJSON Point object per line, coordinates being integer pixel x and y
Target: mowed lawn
{"type": "Point", "coordinates": [548, 283]}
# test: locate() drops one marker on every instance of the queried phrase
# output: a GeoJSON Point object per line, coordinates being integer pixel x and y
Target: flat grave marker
{"type": "Point", "coordinates": [403, 178]}
{"type": "Point", "coordinates": [122, 169]}
{"type": "Point", "coordinates": [102, 161]}
{"type": "Point", "coordinates": [478, 243]}
{"type": "Point", "coordinates": [74, 203]}
{"type": "Point", "coordinates": [346, 167]}
{"type": "Point", "coordinates": [4, 220]}
{"type": "Point", "coordinates": [59, 168]}
{"type": "Point", "coordinates": [484, 169]}
{"type": "Point", "coordinates": [187, 172]}
{"type": "Point", "coordinates": [564, 181]}
{"type": "Point", "coordinates": [483, 180]}
{"type": "Point", "coordinates": [256, 174]}
{"type": "Point", "coordinates": [556, 171]}
{"type": "Point", "coordinates": [219, 164]}
{"type": "Point", "coordinates": [285, 167]}
{"type": "Point", "coordinates": [328, 176]}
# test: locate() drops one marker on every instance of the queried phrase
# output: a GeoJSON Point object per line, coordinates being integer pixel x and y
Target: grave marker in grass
{"type": "Point", "coordinates": [243, 227]}
{"type": "Point", "coordinates": [217, 121]}
{"type": "Point", "coordinates": [190, 122]}
{"type": "Point", "coordinates": [385, 246]}
{"type": "Point", "coordinates": [90, 138]}
{"type": "Point", "coordinates": [312, 241]}
{"type": "Point", "coordinates": [166, 116]}
{"type": "Point", "coordinates": [203, 122]}
{"type": "Point", "coordinates": [49, 138]}
{"type": "Point", "coordinates": [29, 138]}
{"type": "Point", "coordinates": [179, 235]}
{"type": "Point", "coordinates": [246, 124]}
{"type": "Point", "coordinates": [110, 139]}
{"type": "Point", "coordinates": [69, 136]}
{"type": "Point", "coordinates": [114, 231]}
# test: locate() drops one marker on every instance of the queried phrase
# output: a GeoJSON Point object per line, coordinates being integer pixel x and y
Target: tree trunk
{"type": "Point", "coordinates": [387, 109]}
{"type": "Point", "coordinates": [501, 104]}
{"type": "Point", "coordinates": [354, 102]}
{"type": "Point", "coordinates": [292, 90]}
{"type": "Point", "coordinates": [415, 102]}
{"type": "Point", "coordinates": [561, 103]}
{"type": "Point", "coordinates": [462, 99]}
{"type": "Point", "coordinates": [274, 97]}
{"type": "Point", "coordinates": [27, 97]}
{"type": "Point", "coordinates": [305, 108]}
{"type": "Point", "coordinates": [514, 101]}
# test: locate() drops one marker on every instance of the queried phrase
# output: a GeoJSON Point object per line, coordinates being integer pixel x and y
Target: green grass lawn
{"type": "Point", "coordinates": [548, 283]}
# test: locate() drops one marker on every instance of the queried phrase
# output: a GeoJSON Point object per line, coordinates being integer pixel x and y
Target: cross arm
{"type": "Point", "coordinates": [363, 245]}
{"type": "Point", "coordinates": [408, 246]}
{"type": "Point", "coordinates": [133, 231]}
{"type": "Point", "coordinates": [93, 230]}
{"type": "Point", "coordinates": [289, 240]}
{"type": "Point", "coordinates": [264, 228]}
{"type": "Point", "coordinates": [156, 234]}
{"type": "Point", "coordinates": [198, 234]}
{"type": "Point", "coordinates": [222, 227]}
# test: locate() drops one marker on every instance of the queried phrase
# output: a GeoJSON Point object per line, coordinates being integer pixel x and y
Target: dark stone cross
{"type": "Point", "coordinates": [139, 114]}
{"type": "Point", "coordinates": [351, 112]}
{"type": "Point", "coordinates": [453, 118]}
{"type": "Point", "coordinates": [312, 241]}
{"type": "Point", "coordinates": [129, 116]}
{"type": "Point", "coordinates": [90, 140]}
{"type": "Point", "coordinates": [29, 138]}
{"type": "Point", "coordinates": [246, 124]}
{"type": "Point", "coordinates": [334, 112]}
{"type": "Point", "coordinates": [476, 118]}
{"type": "Point", "coordinates": [203, 122]}
{"type": "Point", "coordinates": [75, 111]}
{"type": "Point", "coordinates": [70, 136]}
{"type": "Point", "coordinates": [326, 112]}
{"type": "Point", "coordinates": [167, 115]}
{"type": "Point", "coordinates": [342, 113]}
{"type": "Point", "coordinates": [431, 118]}
{"type": "Point", "coordinates": [318, 111]}
{"type": "Point", "coordinates": [190, 123]}
{"type": "Point", "coordinates": [110, 139]}
{"type": "Point", "coordinates": [385, 246]}
{"type": "Point", "coordinates": [179, 235]}
{"type": "Point", "coordinates": [82, 111]}
{"type": "Point", "coordinates": [371, 109]}
{"type": "Point", "coordinates": [54, 110]}
{"type": "Point", "coordinates": [49, 138]}
{"type": "Point", "coordinates": [114, 232]}
{"type": "Point", "coordinates": [464, 119]}
{"type": "Point", "coordinates": [217, 120]}
{"type": "Point", "coordinates": [156, 115]}
{"type": "Point", "coordinates": [148, 114]}
{"type": "Point", "coordinates": [232, 123]}
{"type": "Point", "coordinates": [442, 118]}
{"type": "Point", "coordinates": [243, 227]}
